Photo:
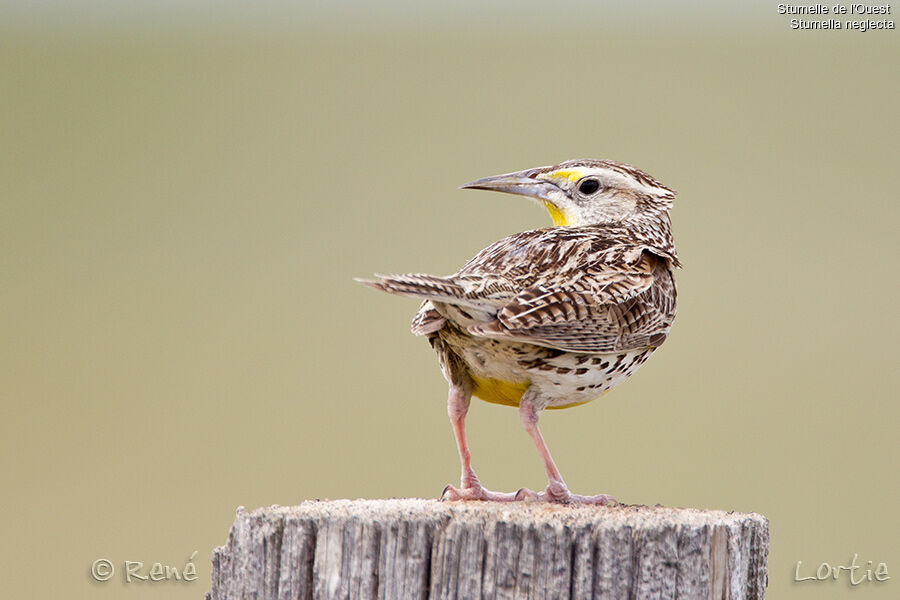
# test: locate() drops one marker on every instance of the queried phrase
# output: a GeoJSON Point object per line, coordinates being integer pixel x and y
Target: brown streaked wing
{"type": "Point", "coordinates": [613, 306]}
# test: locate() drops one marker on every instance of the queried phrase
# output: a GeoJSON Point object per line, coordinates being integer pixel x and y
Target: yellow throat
{"type": "Point", "coordinates": [559, 219]}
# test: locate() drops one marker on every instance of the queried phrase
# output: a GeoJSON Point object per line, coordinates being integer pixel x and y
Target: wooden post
{"type": "Point", "coordinates": [409, 548]}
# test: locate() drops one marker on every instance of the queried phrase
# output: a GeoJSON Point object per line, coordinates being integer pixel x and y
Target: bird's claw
{"type": "Point", "coordinates": [550, 494]}
{"type": "Point", "coordinates": [526, 495]}
{"type": "Point", "coordinates": [475, 492]}
{"type": "Point", "coordinates": [564, 496]}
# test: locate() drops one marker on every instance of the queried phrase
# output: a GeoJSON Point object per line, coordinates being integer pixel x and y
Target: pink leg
{"type": "Point", "coordinates": [556, 491]}
{"type": "Point", "coordinates": [470, 488]}
{"type": "Point", "coordinates": [457, 406]}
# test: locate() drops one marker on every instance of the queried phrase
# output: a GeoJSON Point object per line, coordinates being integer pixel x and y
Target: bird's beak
{"type": "Point", "coordinates": [521, 183]}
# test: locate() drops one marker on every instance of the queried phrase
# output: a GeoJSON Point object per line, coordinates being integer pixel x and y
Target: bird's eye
{"type": "Point", "coordinates": [588, 186]}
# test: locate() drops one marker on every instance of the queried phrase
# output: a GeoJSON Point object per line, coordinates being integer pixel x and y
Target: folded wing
{"type": "Point", "coordinates": [572, 289]}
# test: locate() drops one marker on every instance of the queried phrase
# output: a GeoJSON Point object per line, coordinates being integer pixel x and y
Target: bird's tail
{"type": "Point", "coordinates": [418, 285]}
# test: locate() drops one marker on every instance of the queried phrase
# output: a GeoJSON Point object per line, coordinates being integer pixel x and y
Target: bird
{"type": "Point", "coordinates": [554, 317]}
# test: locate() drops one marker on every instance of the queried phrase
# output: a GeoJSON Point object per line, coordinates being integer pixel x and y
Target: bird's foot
{"type": "Point", "coordinates": [562, 495]}
{"type": "Point", "coordinates": [599, 499]}
{"type": "Point", "coordinates": [477, 491]}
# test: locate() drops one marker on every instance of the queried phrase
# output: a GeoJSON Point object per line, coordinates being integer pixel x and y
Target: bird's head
{"type": "Point", "coordinates": [587, 192]}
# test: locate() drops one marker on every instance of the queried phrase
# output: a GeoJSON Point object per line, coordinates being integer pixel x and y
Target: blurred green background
{"type": "Point", "coordinates": [186, 200]}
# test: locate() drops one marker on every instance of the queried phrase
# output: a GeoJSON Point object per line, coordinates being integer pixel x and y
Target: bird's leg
{"type": "Point", "coordinates": [470, 488]}
{"type": "Point", "coordinates": [458, 401]}
{"type": "Point", "coordinates": [556, 491]}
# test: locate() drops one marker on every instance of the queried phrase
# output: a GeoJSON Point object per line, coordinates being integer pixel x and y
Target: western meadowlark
{"type": "Point", "coordinates": [554, 317]}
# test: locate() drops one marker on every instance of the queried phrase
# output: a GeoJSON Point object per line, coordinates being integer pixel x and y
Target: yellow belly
{"type": "Point", "coordinates": [497, 391]}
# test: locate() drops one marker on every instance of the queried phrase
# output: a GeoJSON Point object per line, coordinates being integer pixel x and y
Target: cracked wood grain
{"type": "Point", "coordinates": [424, 549]}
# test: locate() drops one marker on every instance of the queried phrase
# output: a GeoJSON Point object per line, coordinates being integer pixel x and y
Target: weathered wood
{"type": "Point", "coordinates": [386, 549]}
